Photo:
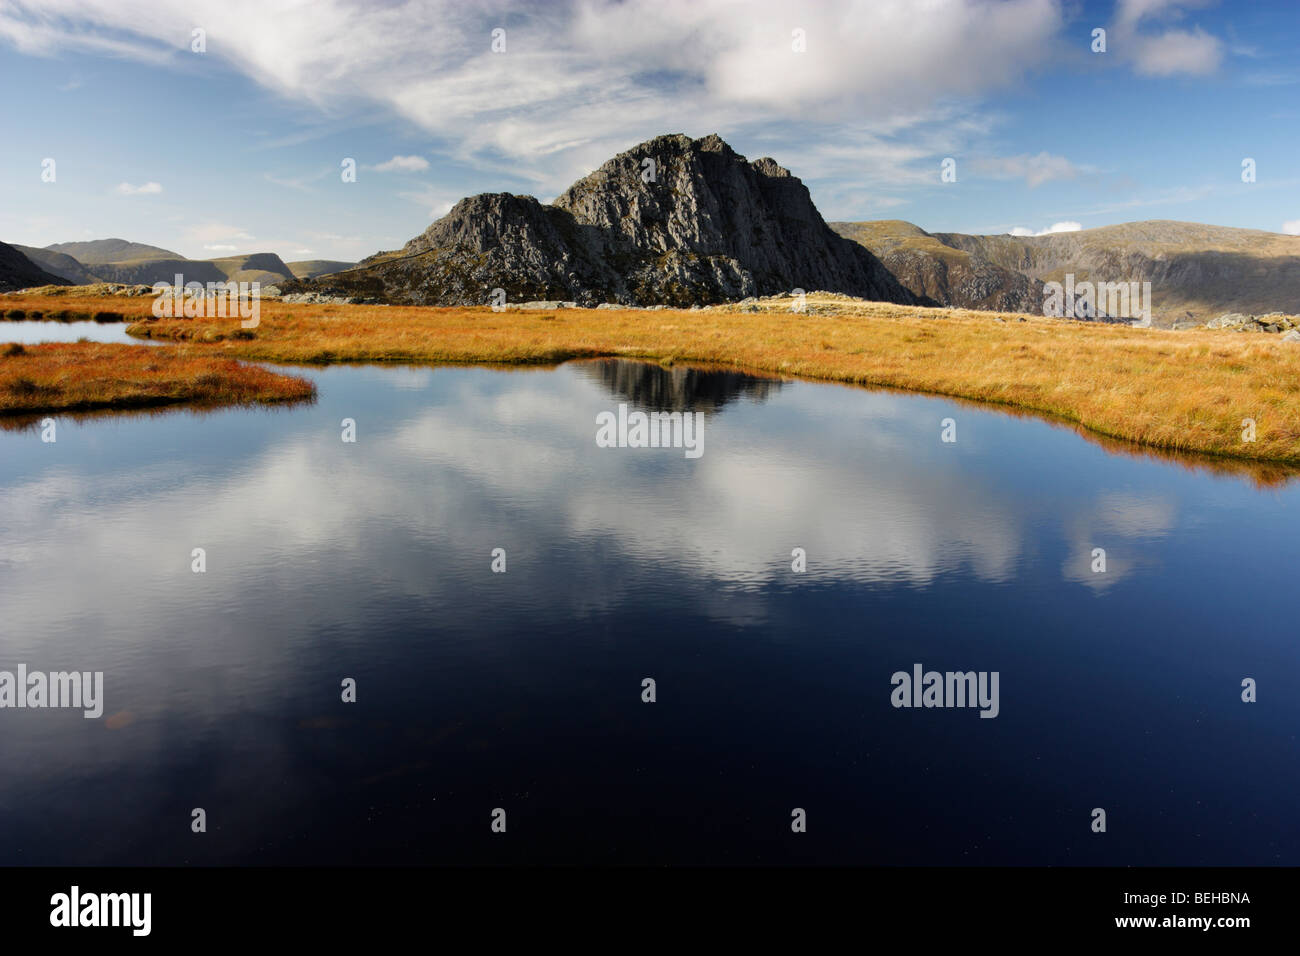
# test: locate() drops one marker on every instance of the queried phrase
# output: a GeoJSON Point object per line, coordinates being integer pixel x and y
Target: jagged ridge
{"type": "Point", "coordinates": [674, 221]}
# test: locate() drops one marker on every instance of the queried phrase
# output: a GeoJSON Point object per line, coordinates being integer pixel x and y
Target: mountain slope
{"type": "Point", "coordinates": [99, 251]}
{"type": "Point", "coordinates": [1197, 272]}
{"type": "Point", "coordinates": [60, 264]}
{"type": "Point", "coordinates": [19, 272]}
{"type": "Point", "coordinates": [950, 275]}
{"type": "Point", "coordinates": [264, 267]}
{"type": "Point", "coordinates": [311, 268]}
{"type": "Point", "coordinates": [708, 227]}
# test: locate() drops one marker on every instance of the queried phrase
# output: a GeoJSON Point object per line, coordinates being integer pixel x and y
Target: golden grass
{"type": "Point", "coordinates": [89, 375]}
{"type": "Point", "coordinates": [1185, 391]}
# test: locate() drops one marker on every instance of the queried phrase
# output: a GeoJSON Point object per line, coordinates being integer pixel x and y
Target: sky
{"type": "Point", "coordinates": [221, 127]}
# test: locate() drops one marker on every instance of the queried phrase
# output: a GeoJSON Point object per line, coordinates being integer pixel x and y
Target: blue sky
{"type": "Point", "coordinates": [238, 148]}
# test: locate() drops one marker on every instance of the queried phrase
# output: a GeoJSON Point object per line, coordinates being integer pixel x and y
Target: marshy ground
{"type": "Point", "coordinates": [1204, 391]}
{"type": "Point", "coordinates": [83, 376]}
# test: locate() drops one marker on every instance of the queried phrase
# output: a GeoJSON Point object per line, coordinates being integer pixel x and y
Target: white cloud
{"type": "Point", "coordinates": [402, 164]}
{"type": "Point", "coordinates": [1034, 170]}
{"type": "Point", "coordinates": [1172, 196]}
{"type": "Point", "coordinates": [1115, 515]}
{"type": "Point", "coordinates": [590, 78]}
{"type": "Point", "coordinates": [1064, 226]}
{"type": "Point", "coordinates": [146, 189]}
{"type": "Point", "coordinates": [1175, 51]}
{"type": "Point", "coordinates": [295, 182]}
{"type": "Point", "coordinates": [1291, 227]}
{"type": "Point", "coordinates": [220, 247]}
{"type": "Point", "coordinates": [217, 232]}
{"type": "Point", "coordinates": [1178, 51]}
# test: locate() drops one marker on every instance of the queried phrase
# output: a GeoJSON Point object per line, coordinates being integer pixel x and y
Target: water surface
{"type": "Point", "coordinates": [30, 333]}
{"type": "Point", "coordinates": [372, 560]}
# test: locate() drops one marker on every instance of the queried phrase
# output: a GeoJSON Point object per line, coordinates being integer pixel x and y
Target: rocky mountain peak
{"type": "Point", "coordinates": [673, 221]}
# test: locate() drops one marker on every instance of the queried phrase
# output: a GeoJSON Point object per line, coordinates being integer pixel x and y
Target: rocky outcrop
{"type": "Point", "coordinates": [674, 221]}
{"type": "Point", "coordinates": [1269, 322]}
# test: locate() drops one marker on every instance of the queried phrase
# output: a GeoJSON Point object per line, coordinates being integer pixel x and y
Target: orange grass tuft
{"type": "Point", "coordinates": [88, 375]}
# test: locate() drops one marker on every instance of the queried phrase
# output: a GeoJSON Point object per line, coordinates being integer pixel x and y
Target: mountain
{"type": "Point", "coordinates": [19, 272]}
{"type": "Point", "coordinates": [311, 268]}
{"type": "Point", "coordinates": [674, 221]}
{"type": "Point", "coordinates": [949, 275]}
{"type": "Point", "coordinates": [147, 269]}
{"type": "Point", "coordinates": [1197, 272]}
{"type": "Point", "coordinates": [60, 264]}
{"type": "Point", "coordinates": [100, 251]}
{"type": "Point", "coordinates": [264, 267]}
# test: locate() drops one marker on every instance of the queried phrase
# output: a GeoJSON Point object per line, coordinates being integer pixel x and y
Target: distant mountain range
{"type": "Point", "coordinates": [680, 222]}
{"type": "Point", "coordinates": [118, 260]}
{"type": "Point", "coordinates": [1197, 272]}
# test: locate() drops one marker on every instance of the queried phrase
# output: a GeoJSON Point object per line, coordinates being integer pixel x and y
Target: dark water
{"type": "Point", "coordinates": [476, 690]}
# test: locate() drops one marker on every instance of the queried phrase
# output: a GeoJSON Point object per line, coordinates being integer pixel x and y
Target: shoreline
{"type": "Point", "coordinates": [1187, 391]}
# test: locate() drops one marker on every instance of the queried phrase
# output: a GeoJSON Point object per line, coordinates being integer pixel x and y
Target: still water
{"type": "Point", "coordinates": [328, 560]}
{"type": "Point", "coordinates": [30, 333]}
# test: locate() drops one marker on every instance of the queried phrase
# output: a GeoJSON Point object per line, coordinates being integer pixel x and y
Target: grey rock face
{"type": "Point", "coordinates": [317, 298]}
{"type": "Point", "coordinates": [673, 222]}
{"type": "Point", "coordinates": [1228, 321]}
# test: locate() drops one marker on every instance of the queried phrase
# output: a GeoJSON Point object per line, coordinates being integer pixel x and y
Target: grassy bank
{"type": "Point", "coordinates": [1183, 391]}
{"type": "Point", "coordinates": [88, 375]}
